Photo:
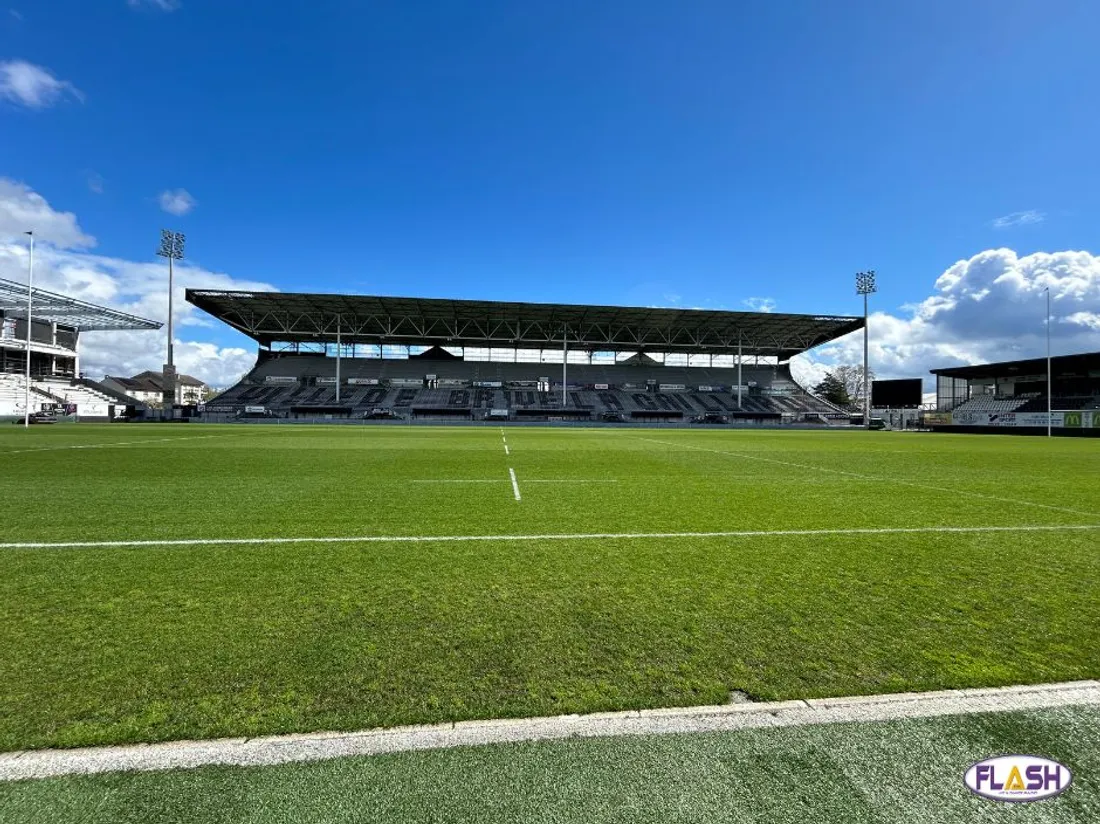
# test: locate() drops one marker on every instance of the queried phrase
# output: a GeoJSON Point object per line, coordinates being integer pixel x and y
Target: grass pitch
{"type": "Point", "coordinates": [909, 772]}
{"type": "Point", "coordinates": [118, 644]}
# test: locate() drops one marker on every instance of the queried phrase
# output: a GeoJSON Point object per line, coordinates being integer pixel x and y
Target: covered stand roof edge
{"type": "Point", "coordinates": [66, 311]}
{"type": "Point", "coordinates": [267, 317]}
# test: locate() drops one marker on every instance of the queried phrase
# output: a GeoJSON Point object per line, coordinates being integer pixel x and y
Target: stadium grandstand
{"type": "Point", "coordinates": [354, 357]}
{"type": "Point", "coordinates": [1011, 397]}
{"type": "Point", "coordinates": [56, 383]}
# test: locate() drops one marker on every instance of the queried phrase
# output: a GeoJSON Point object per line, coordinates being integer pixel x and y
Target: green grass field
{"type": "Point", "coordinates": [117, 643]}
{"type": "Point", "coordinates": [908, 772]}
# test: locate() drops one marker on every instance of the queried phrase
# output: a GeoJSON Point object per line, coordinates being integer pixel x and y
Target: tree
{"type": "Point", "coordinates": [833, 390]}
{"type": "Point", "coordinates": [851, 375]}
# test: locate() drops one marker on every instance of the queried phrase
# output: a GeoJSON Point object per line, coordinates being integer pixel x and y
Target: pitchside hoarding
{"type": "Point", "coordinates": [1072, 420]}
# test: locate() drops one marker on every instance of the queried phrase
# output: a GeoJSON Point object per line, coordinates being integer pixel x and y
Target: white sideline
{"type": "Point", "coordinates": [282, 749]}
{"type": "Point", "coordinates": [570, 536]}
{"type": "Point", "coordinates": [515, 486]}
{"type": "Point", "coordinates": [918, 484]}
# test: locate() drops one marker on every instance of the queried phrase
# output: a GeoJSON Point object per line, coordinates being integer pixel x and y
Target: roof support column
{"type": "Point", "coordinates": [564, 358]}
{"type": "Point", "coordinates": [738, 368]}
{"type": "Point", "coordinates": [337, 359]}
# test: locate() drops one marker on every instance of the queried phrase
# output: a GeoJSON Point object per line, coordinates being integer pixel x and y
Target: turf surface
{"type": "Point", "coordinates": [121, 644]}
{"type": "Point", "coordinates": [902, 771]}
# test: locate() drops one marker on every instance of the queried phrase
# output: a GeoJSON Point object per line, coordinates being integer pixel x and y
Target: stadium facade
{"type": "Point", "coordinates": [56, 324]}
{"type": "Point", "coordinates": [353, 357]}
{"type": "Point", "coordinates": [1011, 397]}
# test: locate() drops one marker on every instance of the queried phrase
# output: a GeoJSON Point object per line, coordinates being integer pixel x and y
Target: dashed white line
{"type": "Point", "coordinates": [574, 536]}
{"type": "Point", "coordinates": [515, 485]}
{"type": "Point", "coordinates": [506, 452]}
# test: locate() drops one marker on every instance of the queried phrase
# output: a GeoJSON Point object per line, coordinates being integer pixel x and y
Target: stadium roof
{"type": "Point", "coordinates": [270, 317]}
{"type": "Point", "coordinates": [1060, 364]}
{"type": "Point", "coordinates": [65, 311]}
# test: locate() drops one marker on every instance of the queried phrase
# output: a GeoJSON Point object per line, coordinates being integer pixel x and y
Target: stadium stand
{"type": "Point", "coordinates": [291, 385]}
{"type": "Point", "coordinates": [440, 382]}
{"type": "Point", "coordinates": [1012, 396]}
{"type": "Point", "coordinates": [56, 324]}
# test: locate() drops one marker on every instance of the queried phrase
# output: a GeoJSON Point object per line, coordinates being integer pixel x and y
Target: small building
{"type": "Point", "coordinates": [148, 388]}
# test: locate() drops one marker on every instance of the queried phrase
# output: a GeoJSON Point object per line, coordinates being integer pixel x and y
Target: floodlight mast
{"type": "Point", "coordinates": [171, 247]}
{"type": "Point", "coordinates": [865, 285]}
{"type": "Point", "coordinates": [30, 293]}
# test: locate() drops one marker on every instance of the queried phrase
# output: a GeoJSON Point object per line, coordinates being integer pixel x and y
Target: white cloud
{"type": "Point", "coordinates": [159, 5]}
{"type": "Point", "coordinates": [991, 307]}
{"type": "Point", "coordinates": [33, 86]}
{"type": "Point", "coordinates": [1018, 219]}
{"type": "Point", "coordinates": [759, 304]}
{"type": "Point", "coordinates": [1090, 320]}
{"type": "Point", "coordinates": [95, 182]}
{"type": "Point", "coordinates": [176, 201]}
{"type": "Point", "coordinates": [63, 265]}
{"type": "Point", "coordinates": [23, 210]}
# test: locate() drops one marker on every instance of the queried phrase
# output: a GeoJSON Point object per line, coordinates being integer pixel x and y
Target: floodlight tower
{"type": "Point", "coordinates": [865, 285]}
{"type": "Point", "coordinates": [171, 247]}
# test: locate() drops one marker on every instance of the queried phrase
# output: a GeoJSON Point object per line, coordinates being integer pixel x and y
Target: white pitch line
{"type": "Point", "coordinates": [506, 452]}
{"type": "Point", "coordinates": [847, 473]}
{"type": "Point", "coordinates": [568, 536]}
{"type": "Point", "coordinates": [117, 443]}
{"type": "Point", "coordinates": [322, 746]}
{"type": "Point", "coordinates": [515, 486]}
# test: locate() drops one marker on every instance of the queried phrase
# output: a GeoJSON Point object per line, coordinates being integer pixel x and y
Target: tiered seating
{"type": "Point", "coordinates": [992, 404]}
{"type": "Point", "coordinates": [73, 392]}
{"type": "Point", "coordinates": [773, 393]}
{"type": "Point", "coordinates": [1064, 404]}
{"type": "Point", "coordinates": [12, 395]}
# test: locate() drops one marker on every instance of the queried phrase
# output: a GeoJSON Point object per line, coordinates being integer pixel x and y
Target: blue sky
{"type": "Point", "coordinates": [692, 154]}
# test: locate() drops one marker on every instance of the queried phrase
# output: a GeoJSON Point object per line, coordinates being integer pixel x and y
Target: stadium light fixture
{"type": "Point", "coordinates": [865, 285]}
{"type": "Point", "coordinates": [30, 299]}
{"type": "Point", "coordinates": [171, 247]}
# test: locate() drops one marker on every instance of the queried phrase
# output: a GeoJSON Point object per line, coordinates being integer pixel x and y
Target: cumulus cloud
{"type": "Point", "coordinates": [63, 264]}
{"type": "Point", "coordinates": [24, 210]}
{"type": "Point", "coordinates": [991, 307]}
{"type": "Point", "coordinates": [176, 201]}
{"type": "Point", "coordinates": [1018, 219]}
{"type": "Point", "coordinates": [33, 86]}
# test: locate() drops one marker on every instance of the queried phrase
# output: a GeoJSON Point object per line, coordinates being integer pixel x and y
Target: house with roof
{"type": "Point", "coordinates": [148, 387]}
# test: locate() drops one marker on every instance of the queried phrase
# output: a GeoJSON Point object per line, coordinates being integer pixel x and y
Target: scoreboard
{"type": "Point", "coordinates": [898, 394]}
